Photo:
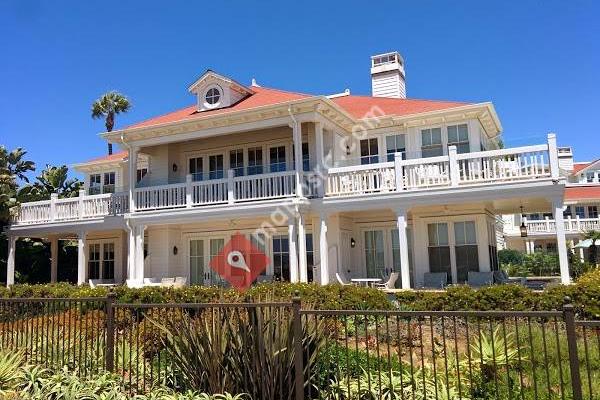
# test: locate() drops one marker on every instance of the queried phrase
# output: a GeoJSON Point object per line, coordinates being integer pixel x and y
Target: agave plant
{"type": "Point", "coordinates": [10, 371]}
{"type": "Point", "coordinates": [496, 351]}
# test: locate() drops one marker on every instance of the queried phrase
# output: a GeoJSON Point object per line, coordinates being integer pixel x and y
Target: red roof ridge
{"type": "Point", "coordinates": [403, 99]}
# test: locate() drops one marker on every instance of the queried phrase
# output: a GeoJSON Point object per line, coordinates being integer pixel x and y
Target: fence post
{"type": "Point", "coordinates": [110, 331]}
{"type": "Point", "coordinates": [569, 317]}
{"type": "Point", "coordinates": [298, 352]}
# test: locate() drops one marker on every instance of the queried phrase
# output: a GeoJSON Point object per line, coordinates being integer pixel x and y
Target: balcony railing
{"type": "Point", "coordinates": [453, 170]}
{"type": "Point", "coordinates": [72, 209]}
{"type": "Point", "coordinates": [571, 225]}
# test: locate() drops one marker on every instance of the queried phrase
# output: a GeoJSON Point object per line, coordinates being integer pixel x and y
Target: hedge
{"type": "Point", "coordinates": [584, 294]}
{"type": "Point", "coordinates": [316, 296]}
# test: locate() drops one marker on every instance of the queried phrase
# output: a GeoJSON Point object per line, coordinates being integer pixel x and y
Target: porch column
{"type": "Point", "coordinates": [293, 251]}
{"type": "Point", "coordinates": [130, 255]}
{"type": "Point", "coordinates": [323, 250]}
{"type": "Point", "coordinates": [139, 253]}
{"type": "Point", "coordinates": [320, 166]}
{"type": "Point", "coordinates": [561, 241]}
{"type": "Point", "coordinates": [133, 153]}
{"type": "Point", "coordinates": [402, 222]}
{"type": "Point", "coordinates": [297, 133]}
{"type": "Point", "coordinates": [581, 253]}
{"type": "Point", "coordinates": [81, 259]}
{"type": "Point", "coordinates": [10, 263]}
{"type": "Point", "coordinates": [302, 263]}
{"type": "Point", "coordinates": [53, 259]}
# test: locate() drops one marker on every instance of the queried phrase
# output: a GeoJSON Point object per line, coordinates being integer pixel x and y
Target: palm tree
{"type": "Point", "coordinates": [107, 106]}
{"type": "Point", "coordinates": [13, 166]}
{"type": "Point", "coordinates": [51, 180]}
{"type": "Point", "coordinates": [594, 236]}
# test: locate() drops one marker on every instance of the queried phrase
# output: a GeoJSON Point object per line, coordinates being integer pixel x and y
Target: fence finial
{"type": "Point", "coordinates": [296, 297]}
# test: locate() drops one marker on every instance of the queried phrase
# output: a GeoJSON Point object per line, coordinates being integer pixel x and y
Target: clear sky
{"type": "Point", "coordinates": [537, 61]}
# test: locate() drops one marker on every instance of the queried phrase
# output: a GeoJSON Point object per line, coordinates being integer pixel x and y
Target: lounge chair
{"type": "Point", "coordinates": [180, 281]}
{"type": "Point", "coordinates": [390, 283]}
{"type": "Point", "coordinates": [502, 278]}
{"type": "Point", "coordinates": [151, 282]}
{"type": "Point", "coordinates": [480, 279]}
{"type": "Point", "coordinates": [166, 282]}
{"type": "Point", "coordinates": [134, 283]}
{"type": "Point", "coordinates": [341, 280]}
{"type": "Point", "coordinates": [435, 280]}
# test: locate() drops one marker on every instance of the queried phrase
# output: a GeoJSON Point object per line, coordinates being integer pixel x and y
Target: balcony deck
{"type": "Point", "coordinates": [454, 171]}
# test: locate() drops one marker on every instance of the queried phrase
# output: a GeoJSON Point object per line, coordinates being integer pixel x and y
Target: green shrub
{"type": "Point", "coordinates": [320, 297]}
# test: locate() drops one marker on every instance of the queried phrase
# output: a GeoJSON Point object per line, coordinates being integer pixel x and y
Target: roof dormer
{"type": "Point", "coordinates": [217, 91]}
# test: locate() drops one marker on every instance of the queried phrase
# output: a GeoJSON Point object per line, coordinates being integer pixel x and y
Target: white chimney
{"type": "Point", "coordinates": [387, 75]}
{"type": "Point", "coordinates": [565, 159]}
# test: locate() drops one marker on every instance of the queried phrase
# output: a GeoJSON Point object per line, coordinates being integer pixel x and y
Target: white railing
{"type": "Point", "coordinates": [209, 192]}
{"type": "Point", "coordinates": [265, 186]}
{"type": "Point", "coordinates": [361, 179]}
{"type": "Point", "coordinates": [453, 170]}
{"type": "Point", "coordinates": [158, 197]}
{"type": "Point", "coordinates": [577, 224]}
{"type": "Point", "coordinates": [72, 209]}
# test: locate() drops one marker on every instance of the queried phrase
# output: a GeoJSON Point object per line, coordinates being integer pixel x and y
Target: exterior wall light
{"type": "Point", "coordinates": [174, 167]}
{"type": "Point", "coordinates": [175, 250]}
{"type": "Point", "coordinates": [352, 243]}
{"type": "Point", "coordinates": [523, 228]}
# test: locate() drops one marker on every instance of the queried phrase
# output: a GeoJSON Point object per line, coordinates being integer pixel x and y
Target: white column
{"type": "Point", "coordinates": [323, 251]}
{"type": "Point", "coordinates": [131, 254]}
{"type": "Point", "coordinates": [81, 259]}
{"type": "Point", "coordinates": [320, 166]}
{"type": "Point", "coordinates": [139, 253]}
{"type": "Point", "coordinates": [302, 263]}
{"type": "Point", "coordinates": [53, 259]}
{"type": "Point", "coordinates": [402, 222]}
{"type": "Point", "coordinates": [581, 253]}
{"type": "Point", "coordinates": [293, 251]}
{"type": "Point", "coordinates": [297, 134]}
{"type": "Point", "coordinates": [133, 152]}
{"type": "Point", "coordinates": [553, 156]}
{"type": "Point", "coordinates": [10, 263]}
{"type": "Point", "coordinates": [561, 241]}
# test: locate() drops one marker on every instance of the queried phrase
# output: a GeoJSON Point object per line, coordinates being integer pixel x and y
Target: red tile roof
{"type": "Point", "coordinates": [582, 193]}
{"type": "Point", "coordinates": [118, 156]}
{"type": "Point", "coordinates": [261, 97]}
{"type": "Point", "coordinates": [578, 166]}
{"type": "Point", "coordinates": [360, 106]}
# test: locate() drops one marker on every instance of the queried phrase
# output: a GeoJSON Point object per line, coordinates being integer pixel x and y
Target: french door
{"type": "Point", "coordinates": [201, 251]}
{"type": "Point", "coordinates": [101, 260]}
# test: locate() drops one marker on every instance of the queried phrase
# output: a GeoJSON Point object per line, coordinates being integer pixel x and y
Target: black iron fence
{"type": "Point", "coordinates": [281, 351]}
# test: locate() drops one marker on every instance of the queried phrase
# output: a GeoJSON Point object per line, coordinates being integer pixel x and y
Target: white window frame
{"type": "Point", "coordinates": [116, 252]}
{"type": "Point", "coordinates": [205, 103]}
{"type": "Point", "coordinates": [395, 136]}
{"type": "Point", "coordinates": [443, 139]}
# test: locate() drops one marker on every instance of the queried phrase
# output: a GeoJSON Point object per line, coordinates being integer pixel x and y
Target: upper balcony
{"type": "Point", "coordinates": [453, 171]}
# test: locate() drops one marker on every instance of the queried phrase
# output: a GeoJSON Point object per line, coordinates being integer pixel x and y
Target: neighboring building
{"type": "Point", "coordinates": [325, 185]}
{"type": "Point", "coordinates": [580, 211]}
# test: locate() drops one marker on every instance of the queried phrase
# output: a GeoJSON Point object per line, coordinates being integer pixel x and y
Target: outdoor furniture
{"type": "Point", "coordinates": [101, 283]}
{"type": "Point", "coordinates": [390, 283]}
{"type": "Point", "coordinates": [264, 278]}
{"type": "Point", "coordinates": [502, 278]}
{"type": "Point", "coordinates": [366, 281]}
{"type": "Point", "coordinates": [180, 281]}
{"type": "Point", "coordinates": [134, 283]}
{"type": "Point", "coordinates": [480, 279]}
{"type": "Point", "coordinates": [341, 280]}
{"type": "Point", "coordinates": [435, 280]}
{"type": "Point", "coordinates": [151, 282]}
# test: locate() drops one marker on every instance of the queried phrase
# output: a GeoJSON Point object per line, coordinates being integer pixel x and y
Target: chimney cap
{"type": "Point", "coordinates": [387, 58]}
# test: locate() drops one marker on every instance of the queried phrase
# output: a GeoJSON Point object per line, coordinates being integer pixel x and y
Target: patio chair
{"type": "Point", "coordinates": [166, 282]}
{"type": "Point", "coordinates": [390, 283]}
{"type": "Point", "coordinates": [480, 279]}
{"type": "Point", "coordinates": [502, 278]}
{"type": "Point", "coordinates": [134, 283]}
{"type": "Point", "coordinates": [341, 280]}
{"type": "Point", "coordinates": [151, 282]}
{"type": "Point", "coordinates": [435, 280]}
{"type": "Point", "coordinates": [180, 281]}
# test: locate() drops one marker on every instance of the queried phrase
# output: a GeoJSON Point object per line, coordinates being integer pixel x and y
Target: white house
{"type": "Point", "coordinates": [580, 211]}
{"type": "Point", "coordinates": [354, 185]}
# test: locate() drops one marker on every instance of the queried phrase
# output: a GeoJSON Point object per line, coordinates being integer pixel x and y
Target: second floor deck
{"type": "Point", "coordinates": [453, 171]}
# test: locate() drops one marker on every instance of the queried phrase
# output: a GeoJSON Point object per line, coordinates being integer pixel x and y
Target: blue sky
{"type": "Point", "coordinates": [537, 61]}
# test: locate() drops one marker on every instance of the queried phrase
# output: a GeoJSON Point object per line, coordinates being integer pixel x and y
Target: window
{"type": "Point", "coordinates": [458, 135]}
{"type": "Point", "coordinates": [305, 157]}
{"type": "Point", "coordinates": [94, 261]}
{"type": "Point", "coordinates": [255, 161]}
{"type": "Point", "coordinates": [580, 211]}
{"type": "Point", "coordinates": [196, 168]}
{"type": "Point", "coordinates": [213, 95]}
{"type": "Point", "coordinates": [277, 159]}
{"type": "Point", "coordinates": [395, 144]}
{"type": "Point", "coordinates": [215, 166]}
{"type": "Point", "coordinates": [567, 212]}
{"type": "Point", "coordinates": [431, 142]}
{"type": "Point", "coordinates": [236, 162]}
{"type": "Point", "coordinates": [259, 242]}
{"type": "Point", "coordinates": [590, 176]}
{"type": "Point", "coordinates": [467, 257]}
{"type": "Point", "coordinates": [281, 258]}
{"type": "Point", "coordinates": [592, 211]}
{"type": "Point", "coordinates": [551, 247]}
{"type": "Point", "coordinates": [141, 173]}
{"type": "Point", "coordinates": [95, 184]}
{"type": "Point", "coordinates": [310, 257]}
{"type": "Point", "coordinates": [108, 261]}
{"type": "Point", "coordinates": [369, 151]}
{"type": "Point", "coordinates": [109, 182]}
{"type": "Point", "coordinates": [374, 254]}
{"type": "Point", "coordinates": [215, 247]}
{"type": "Point", "coordinates": [439, 249]}
{"type": "Point", "coordinates": [196, 262]}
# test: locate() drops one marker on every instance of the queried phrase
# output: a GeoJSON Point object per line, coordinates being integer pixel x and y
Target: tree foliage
{"type": "Point", "coordinates": [108, 106]}
{"type": "Point", "coordinates": [51, 180]}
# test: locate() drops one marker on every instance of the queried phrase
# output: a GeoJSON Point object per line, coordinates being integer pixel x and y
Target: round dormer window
{"type": "Point", "coordinates": [212, 97]}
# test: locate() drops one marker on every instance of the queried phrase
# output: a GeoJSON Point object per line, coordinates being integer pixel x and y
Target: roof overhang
{"type": "Point", "coordinates": [100, 165]}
